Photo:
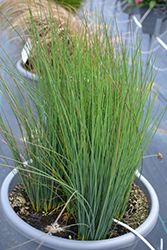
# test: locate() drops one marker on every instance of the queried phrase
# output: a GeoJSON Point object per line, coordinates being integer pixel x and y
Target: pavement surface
{"type": "Point", "coordinates": [154, 170]}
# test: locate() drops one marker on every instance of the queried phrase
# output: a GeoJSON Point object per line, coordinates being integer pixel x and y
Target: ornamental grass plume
{"type": "Point", "coordinates": [46, 14]}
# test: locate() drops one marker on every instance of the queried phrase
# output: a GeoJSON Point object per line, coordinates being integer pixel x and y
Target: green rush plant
{"type": "Point", "coordinates": [84, 127]}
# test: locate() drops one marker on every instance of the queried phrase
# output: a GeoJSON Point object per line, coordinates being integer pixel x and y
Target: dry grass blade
{"type": "Point", "coordinates": [62, 211]}
{"type": "Point", "coordinates": [20, 14]}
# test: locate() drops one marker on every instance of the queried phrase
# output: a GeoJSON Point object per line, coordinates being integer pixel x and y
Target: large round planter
{"type": "Point", "coordinates": [24, 72]}
{"type": "Point", "coordinates": [150, 22]}
{"type": "Point", "coordinates": [26, 232]}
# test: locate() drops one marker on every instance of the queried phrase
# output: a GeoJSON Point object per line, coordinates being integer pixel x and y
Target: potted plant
{"type": "Point", "coordinates": [84, 130]}
{"type": "Point", "coordinates": [17, 17]}
{"type": "Point", "coordinates": [31, 238]}
{"type": "Point", "coordinates": [154, 14]}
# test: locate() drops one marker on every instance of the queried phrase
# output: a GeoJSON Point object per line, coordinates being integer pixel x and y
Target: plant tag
{"type": "Point", "coordinates": [161, 244]}
{"type": "Point", "coordinates": [26, 51]}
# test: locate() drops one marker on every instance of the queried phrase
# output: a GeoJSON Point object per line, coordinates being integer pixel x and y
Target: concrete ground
{"type": "Point", "coordinates": [154, 171]}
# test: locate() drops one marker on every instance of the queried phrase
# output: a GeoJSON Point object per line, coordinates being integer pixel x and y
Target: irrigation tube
{"type": "Point", "coordinates": [161, 42]}
{"type": "Point", "coordinates": [145, 15]}
{"type": "Point", "coordinates": [141, 20]}
{"type": "Point", "coordinates": [136, 21]}
{"type": "Point", "coordinates": [137, 234]}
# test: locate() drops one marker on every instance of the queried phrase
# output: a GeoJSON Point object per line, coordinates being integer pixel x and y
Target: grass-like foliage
{"type": "Point", "coordinates": [70, 3]}
{"type": "Point", "coordinates": [85, 126]}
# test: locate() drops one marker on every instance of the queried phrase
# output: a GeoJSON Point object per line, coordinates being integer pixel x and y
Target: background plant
{"type": "Point", "coordinates": [85, 126]}
{"type": "Point", "coordinates": [159, 6]}
{"type": "Point", "coordinates": [151, 3]}
{"type": "Point", "coordinates": [71, 3]}
{"type": "Point", "coordinates": [17, 16]}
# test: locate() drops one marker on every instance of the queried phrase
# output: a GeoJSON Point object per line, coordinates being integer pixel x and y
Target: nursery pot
{"type": "Point", "coordinates": [26, 232]}
{"type": "Point", "coordinates": [153, 24]}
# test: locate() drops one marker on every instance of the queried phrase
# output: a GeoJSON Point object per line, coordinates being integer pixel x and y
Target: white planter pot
{"type": "Point", "coordinates": [27, 232]}
{"type": "Point", "coordinates": [26, 73]}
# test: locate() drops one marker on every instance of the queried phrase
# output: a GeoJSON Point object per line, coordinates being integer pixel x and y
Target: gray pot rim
{"type": "Point", "coordinates": [61, 243]}
{"type": "Point", "coordinates": [25, 72]}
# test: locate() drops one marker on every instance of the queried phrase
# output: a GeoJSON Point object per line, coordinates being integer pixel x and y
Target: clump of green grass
{"type": "Point", "coordinates": [85, 127]}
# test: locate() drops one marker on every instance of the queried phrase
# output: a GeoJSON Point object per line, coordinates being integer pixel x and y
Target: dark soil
{"type": "Point", "coordinates": [29, 67]}
{"type": "Point", "coordinates": [136, 213]}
